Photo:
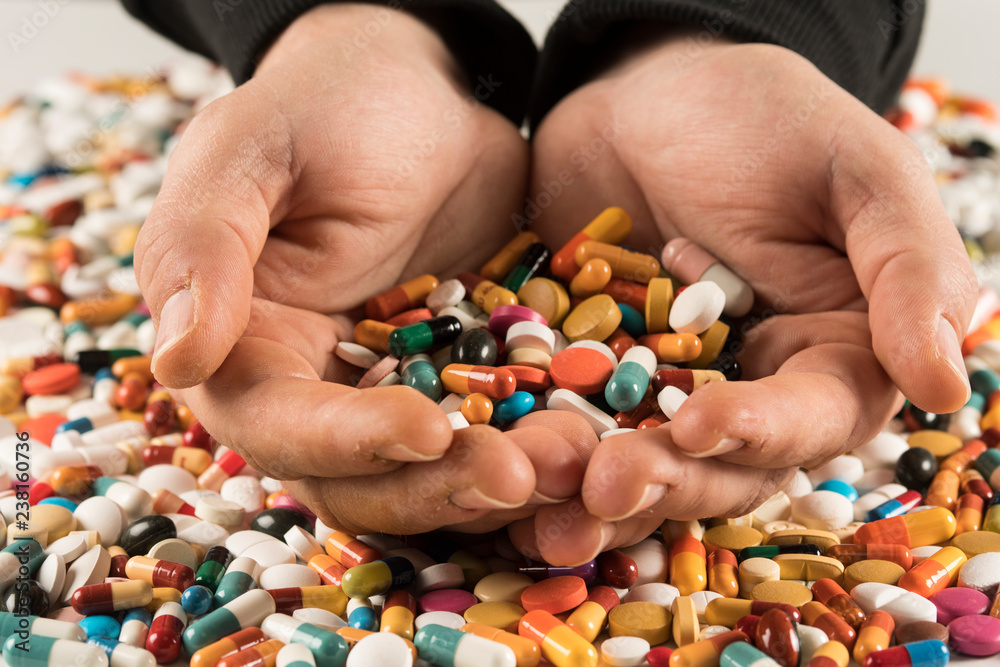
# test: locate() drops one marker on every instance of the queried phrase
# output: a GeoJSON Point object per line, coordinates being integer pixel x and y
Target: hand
{"type": "Point", "coordinates": [826, 210]}
{"type": "Point", "coordinates": [334, 174]}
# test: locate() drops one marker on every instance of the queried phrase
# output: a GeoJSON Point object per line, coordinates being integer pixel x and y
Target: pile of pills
{"type": "Point", "coordinates": [132, 538]}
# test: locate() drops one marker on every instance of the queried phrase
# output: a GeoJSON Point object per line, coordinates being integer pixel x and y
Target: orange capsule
{"type": "Point", "coordinates": [74, 481]}
{"type": "Point", "coordinates": [653, 421]}
{"type": "Point", "coordinates": [231, 644]}
{"type": "Point", "coordinates": [836, 628]}
{"type": "Point", "coordinates": [131, 393]}
{"type": "Point", "coordinates": [373, 334]}
{"type": "Point", "coordinates": [502, 262]}
{"type": "Point", "coordinates": [830, 593]}
{"type": "Point", "coordinates": [961, 459]}
{"type": "Point", "coordinates": [477, 409]}
{"type": "Point", "coordinates": [264, 654]}
{"type": "Point", "coordinates": [349, 551]}
{"type": "Point", "coordinates": [138, 365]}
{"type": "Point", "coordinates": [687, 565]}
{"type": "Point", "coordinates": [969, 515]}
{"type": "Point", "coordinates": [635, 266]}
{"type": "Point", "coordinates": [328, 569]}
{"type": "Point", "coordinates": [875, 634]}
{"type": "Point", "coordinates": [943, 491]}
{"type": "Point", "coordinates": [611, 226]}
{"type": "Point", "coordinates": [592, 278]}
{"type": "Point", "coordinates": [723, 575]}
{"type": "Point", "coordinates": [496, 383]}
{"type": "Point", "coordinates": [409, 317]}
{"type": "Point", "coordinates": [673, 348]}
{"type": "Point", "coordinates": [627, 292]}
{"type": "Point", "coordinates": [410, 294]}
{"type": "Point", "coordinates": [935, 573]}
{"type": "Point", "coordinates": [485, 293]}
{"type": "Point", "coordinates": [98, 310]}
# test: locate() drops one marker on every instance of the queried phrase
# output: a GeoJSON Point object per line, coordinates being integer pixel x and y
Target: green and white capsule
{"type": "Point", "coordinates": [248, 610]}
{"type": "Point", "coordinates": [328, 648]}
{"type": "Point", "coordinates": [11, 624]}
{"type": "Point", "coordinates": [628, 385]}
{"type": "Point", "coordinates": [417, 371]}
{"type": "Point", "coordinates": [740, 654]}
{"type": "Point", "coordinates": [295, 655]}
{"type": "Point", "coordinates": [448, 647]}
{"type": "Point", "coordinates": [241, 576]}
{"type": "Point", "coordinates": [51, 652]}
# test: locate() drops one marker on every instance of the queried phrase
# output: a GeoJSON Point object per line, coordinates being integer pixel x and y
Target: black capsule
{"type": "Point", "coordinates": [916, 468]}
{"type": "Point", "coordinates": [475, 347]}
{"type": "Point", "coordinates": [278, 521]}
{"type": "Point", "coordinates": [143, 533]}
{"type": "Point", "coordinates": [728, 366]}
{"type": "Point", "coordinates": [422, 336]}
{"type": "Point", "coordinates": [916, 419]}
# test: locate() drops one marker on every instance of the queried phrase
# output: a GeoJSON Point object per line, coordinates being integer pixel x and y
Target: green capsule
{"type": "Point", "coordinates": [422, 336]}
{"type": "Point", "coordinates": [628, 385]}
{"type": "Point", "coordinates": [419, 372]}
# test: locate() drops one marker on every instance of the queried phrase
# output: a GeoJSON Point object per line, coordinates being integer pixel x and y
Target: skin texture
{"type": "Point", "coordinates": [828, 212]}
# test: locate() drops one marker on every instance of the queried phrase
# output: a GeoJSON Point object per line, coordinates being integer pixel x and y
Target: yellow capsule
{"type": "Point", "coordinates": [671, 348]}
{"type": "Point", "coordinates": [373, 334]}
{"type": "Point", "coordinates": [502, 262]}
{"type": "Point", "coordinates": [11, 393]}
{"type": "Point", "coordinates": [612, 226]}
{"type": "Point", "coordinates": [835, 651]}
{"type": "Point", "coordinates": [625, 264]}
{"type": "Point", "coordinates": [712, 342]}
{"type": "Point", "coordinates": [526, 652]}
{"type": "Point", "coordinates": [592, 278]}
{"type": "Point", "coordinates": [100, 310]}
{"type": "Point", "coordinates": [477, 408]}
{"type": "Point", "coordinates": [659, 296]}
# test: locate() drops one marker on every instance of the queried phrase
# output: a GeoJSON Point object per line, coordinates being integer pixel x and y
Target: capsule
{"type": "Point", "coordinates": [534, 261]}
{"type": "Point", "coordinates": [398, 613]}
{"type": "Point", "coordinates": [685, 379]}
{"type": "Point", "coordinates": [213, 568]}
{"type": "Point", "coordinates": [168, 502]}
{"type": "Point", "coordinates": [495, 383]}
{"type": "Point", "coordinates": [625, 264]}
{"type": "Point", "coordinates": [973, 482]}
{"type": "Point", "coordinates": [406, 296]}
{"type": "Point", "coordinates": [123, 655]}
{"type": "Point", "coordinates": [723, 577]}
{"type": "Point", "coordinates": [920, 529]}
{"type": "Point", "coordinates": [897, 506]}
{"type": "Point", "coordinates": [690, 263]}
{"type": "Point", "coordinates": [853, 553]}
{"type": "Point", "coordinates": [197, 600]}
{"type": "Point", "coordinates": [245, 611]}
{"type": "Point", "coordinates": [830, 654]}
{"type": "Point", "coordinates": [740, 654]}
{"type": "Point", "coordinates": [135, 501]}
{"type": "Point", "coordinates": [991, 522]}
{"type": "Point", "coordinates": [417, 371]}
{"type": "Point", "coordinates": [329, 648]}
{"type": "Point", "coordinates": [672, 348]}
{"type": "Point", "coordinates": [969, 515]}
{"type": "Point", "coordinates": [504, 261]}
{"type": "Point", "coordinates": [772, 550]}
{"type": "Point", "coordinates": [818, 615]}
{"type": "Point", "coordinates": [935, 573]}
{"type": "Point", "coordinates": [477, 409]}
{"type": "Point", "coordinates": [159, 572]}
{"type": "Point", "coordinates": [526, 652]}
{"type": "Point", "coordinates": [830, 593]}
{"type": "Point", "coordinates": [210, 655]}
{"type": "Point", "coordinates": [688, 569]}
{"type": "Point", "coordinates": [135, 627]}
{"type": "Point", "coordinates": [378, 577]}
{"type": "Point", "coordinates": [11, 624]}
{"type": "Point", "coordinates": [875, 635]}
{"type": "Point", "coordinates": [329, 570]}
{"type": "Point", "coordinates": [591, 279]}
{"type": "Point", "coordinates": [925, 653]}
{"type": "Point", "coordinates": [943, 491]}
{"type": "Point", "coordinates": [349, 551]}
{"type": "Point", "coordinates": [988, 463]}
{"type": "Point", "coordinates": [707, 651]}
{"type": "Point", "coordinates": [485, 293]}
{"type": "Point", "coordinates": [361, 615]}
{"type": "Point", "coordinates": [109, 598]}
{"type": "Point", "coordinates": [75, 482]}
{"type": "Point", "coordinates": [264, 654]}
{"type": "Point", "coordinates": [373, 335]}
{"type": "Point", "coordinates": [422, 336]}
{"type": "Point", "coordinates": [242, 575]}
{"type": "Point", "coordinates": [227, 466]}
{"type": "Point", "coordinates": [589, 618]}
{"type": "Point", "coordinates": [287, 600]}
{"type": "Point", "coordinates": [630, 381]}
{"type": "Point", "coordinates": [960, 460]}
{"type": "Point", "coordinates": [560, 645]}
{"type": "Point", "coordinates": [726, 611]}
{"type": "Point", "coordinates": [41, 651]}
{"type": "Point", "coordinates": [164, 638]}
{"type": "Point", "coordinates": [100, 625]}
{"type": "Point", "coordinates": [118, 560]}
{"type": "Point", "coordinates": [192, 459]}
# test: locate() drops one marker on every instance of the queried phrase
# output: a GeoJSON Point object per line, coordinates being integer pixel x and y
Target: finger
{"type": "Point", "coordinates": [644, 474]}
{"type": "Point", "coordinates": [840, 393]}
{"type": "Point", "coordinates": [267, 401]}
{"type": "Point", "coordinates": [482, 472]}
{"type": "Point", "coordinates": [908, 257]}
{"type": "Point", "coordinates": [195, 254]}
{"type": "Point", "coordinates": [559, 444]}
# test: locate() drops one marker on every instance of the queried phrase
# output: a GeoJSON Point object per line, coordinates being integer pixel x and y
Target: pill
{"type": "Point", "coordinates": [611, 226]}
{"type": "Point", "coordinates": [594, 319]}
{"type": "Point", "coordinates": [581, 370]}
{"type": "Point", "coordinates": [505, 260]}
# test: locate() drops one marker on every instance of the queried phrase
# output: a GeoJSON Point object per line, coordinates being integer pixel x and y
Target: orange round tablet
{"type": "Point", "coordinates": [582, 370]}
{"type": "Point", "coordinates": [555, 595]}
{"type": "Point", "coordinates": [54, 379]}
{"type": "Point", "coordinates": [42, 427]}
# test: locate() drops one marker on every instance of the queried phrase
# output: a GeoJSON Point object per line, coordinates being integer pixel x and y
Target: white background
{"type": "Point", "coordinates": [96, 36]}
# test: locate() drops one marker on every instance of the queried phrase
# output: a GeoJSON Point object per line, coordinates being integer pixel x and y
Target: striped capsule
{"type": "Point", "coordinates": [495, 383]}
{"type": "Point", "coordinates": [210, 655]}
{"type": "Point", "coordinates": [109, 598]}
{"type": "Point", "coordinates": [688, 567]}
{"type": "Point", "coordinates": [165, 631]}
{"type": "Point", "coordinates": [287, 600]}
{"type": "Point", "coordinates": [329, 648]}
{"type": "Point", "coordinates": [349, 551]}
{"type": "Point", "coordinates": [245, 611]}
{"type": "Point", "coordinates": [398, 613]}
{"type": "Point", "coordinates": [158, 572]}
{"type": "Point", "coordinates": [875, 635]}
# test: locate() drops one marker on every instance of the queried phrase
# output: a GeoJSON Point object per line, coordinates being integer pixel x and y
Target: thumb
{"type": "Point", "coordinates": [195, 254]}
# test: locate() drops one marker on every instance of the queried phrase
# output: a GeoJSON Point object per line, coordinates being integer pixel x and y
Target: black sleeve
{"type": "Point", "coordinates": [486, 40]}
{"type": "Point", "coordinates": [866, 46]}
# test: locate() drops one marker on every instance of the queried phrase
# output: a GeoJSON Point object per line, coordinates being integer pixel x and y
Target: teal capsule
{"type": "Point", "coordinates": [16, 555]}
{"type": "Point", "coordinates": [419, 373]}
{"type": "Point", "coordinates": [440, 645]}
{"type": "Point", "coordinates": [628, 385]}
{"type": "Point", "coordinates": [248, 610]}
{"type": "Point", "coordinates": [240, 577]}
{"type": "Point", "coordinates": [422, 336]}
{"type": "Point", "coordinates": [976, 401]}
{"type": "Point", "coordinates": [61, 502]}
{"type": "Point", "coordinates": [121, 654]}
{"type": "Point", "coordinates": [633, 322]}
{"type": "Point", "coordinates": [513, 407]}
{"type": "Point", "coordinates": [988, 462]}
{"type": "Point", "coordinates": [39, 651]}
{"type": "Point", "coordinates": [11, 624]}
{"type": "Point", "coordinates": [984, 381]}
{"type": "Point", "coordinates": [328, 648]}
{"type": "Point", "coordinates": [363, 618]}
{"type": "Point", "coordinates": [100, 625]}
{"type": "Point", "coordinates": [838, 486]}
{"type": "Point", "coordinates": [378, 577]}
{"type": "Point", "coordinates": [741, 654]}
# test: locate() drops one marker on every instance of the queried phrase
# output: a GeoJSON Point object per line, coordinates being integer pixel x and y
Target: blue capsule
{"type": "Point", "coordinates": [633, 322]}
{"type": "Point", "coordinates": [513, 407]}
{"type": "Point", "coordinates": [838, 486]}
{"type": "Point", "coordinates": [197, 600]}
{"type": "Point", "coordinates": [100, 625]}
{"type": "Point", "coordinates": [629, 384]}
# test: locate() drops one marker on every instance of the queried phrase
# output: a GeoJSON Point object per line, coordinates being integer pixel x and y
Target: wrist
{"type": "Point", "coordinates": [360, 27]}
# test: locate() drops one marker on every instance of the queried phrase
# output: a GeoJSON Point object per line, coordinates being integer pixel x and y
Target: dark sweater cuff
{"type": "Point", "coordinates": [865, 46]}
{"type": "Point", "coordinates": [485, 40]}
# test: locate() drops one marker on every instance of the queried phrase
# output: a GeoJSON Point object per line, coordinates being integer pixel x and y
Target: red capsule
{"type": "Point", "coordinates": [158, 418]}
{"type": "Point", "coordinates": [164, 638]}
{"type": "Point", "coordinates": [197, 436]}
{"type": "Point", "coordinates": [617, 569]}
{"type": "Point", "coordinates": [633, 418]}
{"type": "Point", "coordinates": [748, 626]}
{"type": "Point", "coordinates": [776, 636]}
{"type": "Point", "coordinates": [830, 593]}
{"type": "Point", "coordinates": [160, 573]}
{"type": "Point", "coordinates": [131, 393]}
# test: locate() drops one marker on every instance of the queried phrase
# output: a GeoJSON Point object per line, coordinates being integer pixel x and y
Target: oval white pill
{"type": "Point", "coordinates": [624, 651]}
{"type": "Point", "coordinates": [288, 576]}
{"type": "Point", "coordinates": [697, 307]}
{"type": "Point", "coordinates": [380, 648]}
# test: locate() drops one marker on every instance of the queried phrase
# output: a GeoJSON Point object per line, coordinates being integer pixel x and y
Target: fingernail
{"type": "Point", "coordinates": [950, 348]}
{"type": "Point", "coordinates": [474, 499]}
{"type": "Point", "coordinates": [725, 445]}
{"type": "Point", "coordinates": [404, 453]}
{"type": "Point", "coordinates": [541, 499]}
{"type": "Point", "coordinates": [653, 494]}
{"type": "Point", "coordinates": [176, 322]}
{"type": "Point", "coordinates": [607, 535]}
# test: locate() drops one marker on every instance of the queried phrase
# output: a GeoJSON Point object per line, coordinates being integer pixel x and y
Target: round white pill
{"type": "Point", "coordinates": [356, 355]}
{"type": "Point", "coordinates": [103, 515]}
{"type": "Point", "coordinates": [981, 572]}
{"type": "Point", "coordinates": [440, 576]}
{"type": "Point", "coordinates": [216, 509]}
{"type": "Point", "coordinates": [624, 651]}
{"type": "Point", "coordinates": [380, 648]}
{"type": "Point", "coordinates": [823, 510]}
{"type": "Point", "coordinates": [165, 476]}
{"type": "Point", "coordinates": [846, 468]}
{"type": "Point", "coordinates": [697, 308]}
{"type": "Point", "coordinates": [655, 592]}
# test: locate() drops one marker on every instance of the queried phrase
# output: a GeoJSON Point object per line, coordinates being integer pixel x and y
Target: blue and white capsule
{"type": "Point", "coordinates": [440, 645]}
{"type": "Point", "coordinates": [50, 652]}
{"type": "Point", "coordinates": [242, 575]}
{"type": "Point", "coordinates": [361, 615]}
{"type": "Point", "coordinates": [630, 381]}
{"type": "Point", "coordinates": [121, 654]}
{"type": "Point", "coordinates": [328, 648]}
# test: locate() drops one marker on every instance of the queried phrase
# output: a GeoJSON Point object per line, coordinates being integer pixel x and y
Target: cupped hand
{"type": "Point", "coordinates": [828, 212]}
{"type": "Point", "coordinates": [337, 172]}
